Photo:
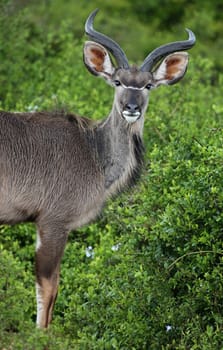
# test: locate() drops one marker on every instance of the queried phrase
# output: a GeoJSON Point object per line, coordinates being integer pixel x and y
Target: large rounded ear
{"type": "Point", "coordinates": [97, 60]}
{"type": "Point", "coordinates": [172, 69]}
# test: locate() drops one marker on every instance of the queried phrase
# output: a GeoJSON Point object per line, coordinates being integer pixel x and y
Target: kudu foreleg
{"type": "Point", "coordinates": [49, 251]}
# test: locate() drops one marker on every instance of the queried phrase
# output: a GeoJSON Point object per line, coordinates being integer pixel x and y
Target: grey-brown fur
{"type": "Point", "coordinates": [57, 170]}
{"type": "Point", "coordinates": [58, 167]}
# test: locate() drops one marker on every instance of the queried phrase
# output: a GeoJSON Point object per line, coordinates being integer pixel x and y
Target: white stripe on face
{"type": "Point", "coordinates": [133, 87]}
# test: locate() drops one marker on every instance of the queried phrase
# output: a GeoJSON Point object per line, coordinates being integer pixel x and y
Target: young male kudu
{"type": "Point", "coordinates": [58, 169]}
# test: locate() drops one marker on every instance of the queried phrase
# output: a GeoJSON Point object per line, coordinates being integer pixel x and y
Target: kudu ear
{"type": "Point", "coordinates": [97, 60]}
{"type": "Point", "coordinates": [171, 70]}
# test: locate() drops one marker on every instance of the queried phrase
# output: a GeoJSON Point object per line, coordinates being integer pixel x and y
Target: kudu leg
{"type": "Point", "coordinates": [49, 251]}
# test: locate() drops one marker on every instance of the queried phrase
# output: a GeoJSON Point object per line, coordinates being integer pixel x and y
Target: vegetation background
{"type": "Point", "coordinates": [148, 274]}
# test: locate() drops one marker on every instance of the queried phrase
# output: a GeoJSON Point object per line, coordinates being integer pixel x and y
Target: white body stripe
{"type": "Point", "coordinates": [38, 241]}
{"type": "Point", "coordinates": [40, 307]}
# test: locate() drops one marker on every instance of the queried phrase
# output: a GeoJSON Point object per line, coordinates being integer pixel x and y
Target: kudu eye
{"type": "Point", "coordinates": [149, 86]}
{"type": "Point", "coordinates": [117, 83]}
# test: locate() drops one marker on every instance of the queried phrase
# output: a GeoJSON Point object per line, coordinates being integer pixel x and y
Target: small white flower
{"type": "Point", "coordinates": [116, 247]}
{"type": "Point", "coordinates": [168, 327]}
{"type": "Point", "coordinates": [89, 252]}
{"type": "Point", "coordinates": [32, 108]}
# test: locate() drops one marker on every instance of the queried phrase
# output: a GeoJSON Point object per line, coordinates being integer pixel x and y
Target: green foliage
{"type": "Point", "coordinates": [148, 274]}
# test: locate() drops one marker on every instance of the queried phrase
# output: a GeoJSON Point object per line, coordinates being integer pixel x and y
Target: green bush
{"type": "Point", "coordinates": [148, 274]}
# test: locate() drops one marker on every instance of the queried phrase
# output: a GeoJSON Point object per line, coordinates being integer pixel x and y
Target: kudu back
{"type": "Point", "coordinates": [58, 169]}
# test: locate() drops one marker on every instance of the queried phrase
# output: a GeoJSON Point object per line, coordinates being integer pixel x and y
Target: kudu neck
{"type": "Point", "coordinates": [119, 150]}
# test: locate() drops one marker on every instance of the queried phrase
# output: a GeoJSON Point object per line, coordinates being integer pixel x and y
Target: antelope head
{"type": "Point", "coordinates": [132, 84]}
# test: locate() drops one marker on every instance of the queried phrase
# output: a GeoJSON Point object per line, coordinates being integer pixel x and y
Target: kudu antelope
{"type": "Point", "coordinates": [57, 169]}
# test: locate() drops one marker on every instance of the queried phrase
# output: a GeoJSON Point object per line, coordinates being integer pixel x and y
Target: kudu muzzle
{"type": "Point", "coordinates": [132, 110]}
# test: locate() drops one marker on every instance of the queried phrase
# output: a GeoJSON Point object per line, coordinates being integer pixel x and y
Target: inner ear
{"type": "Point", "coordinates": [172, 69]}
{"type": "Point", "coordinates": [97, 59]}
{"type": "Point", "coordinates": [175, 65]}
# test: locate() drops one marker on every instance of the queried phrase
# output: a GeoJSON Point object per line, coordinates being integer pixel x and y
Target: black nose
{"type": "Point", "coordinates": [132, 108]}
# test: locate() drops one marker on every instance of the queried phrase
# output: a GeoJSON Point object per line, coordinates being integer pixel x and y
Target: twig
{"type": "Point", "coordinates": [169, 268]}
